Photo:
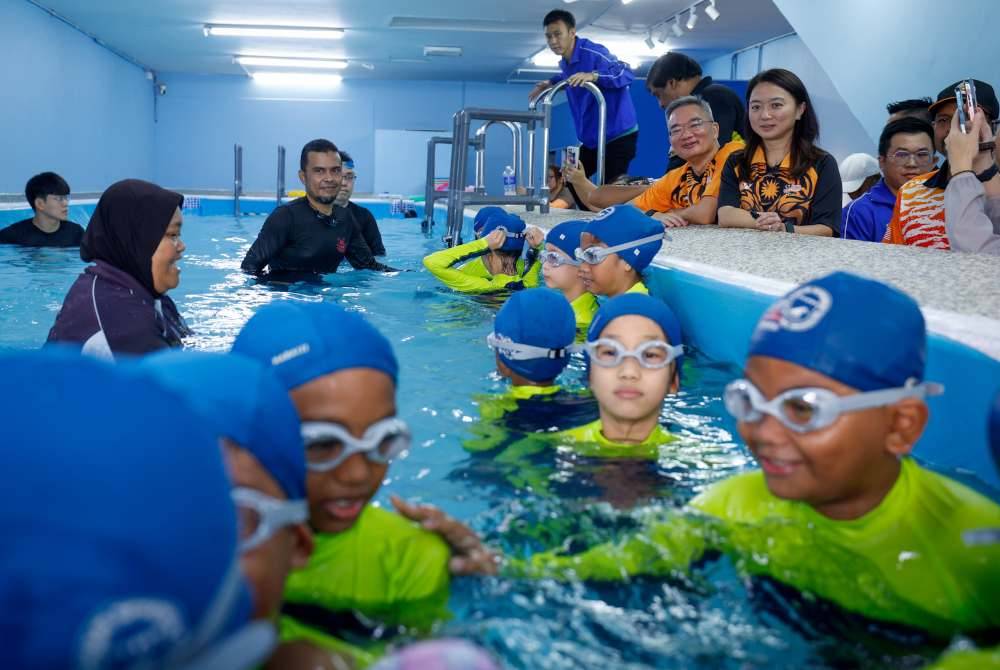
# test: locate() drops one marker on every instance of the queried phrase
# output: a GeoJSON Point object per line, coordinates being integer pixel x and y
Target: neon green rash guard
{"type": "Point", "coordinates": [462, 269]}
{"type": "Point", "coordinates": [904, 562]}
{"type": "Point", "coordinates": [588, 440]}
{"type": "Point", "coordinates": [584, 308]}
{"type": "Point", "coordinates": [970, 659]}
{"type": "Point", "coordinates": [384, 567]}
{"type": "Point", "coordinates": [638, 287]}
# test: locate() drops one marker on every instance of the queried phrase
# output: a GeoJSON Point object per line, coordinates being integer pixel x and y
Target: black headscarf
{"type": "Point", "coordinates": [130, 220]}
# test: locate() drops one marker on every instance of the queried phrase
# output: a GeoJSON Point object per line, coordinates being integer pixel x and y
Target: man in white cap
{"type": "Point", "coordinates": [858, 172]}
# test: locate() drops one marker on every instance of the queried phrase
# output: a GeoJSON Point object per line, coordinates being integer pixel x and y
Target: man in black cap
{"type": "Point", "coordinates": [919, 217]}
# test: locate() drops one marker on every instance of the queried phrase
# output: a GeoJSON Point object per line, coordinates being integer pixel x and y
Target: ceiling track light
{"type": "Point", "coordinates": [711, 11]}
{"type": "Point", "coordinates": [676, 27]}
{"type": "Point", "coordinates": [664, 33]}
{"type": "Point", "coordinates": [692, 17]}
{"type": "Point", "coordinates": [292, 32]}
{"type": "Point", "coordinates": [649, 40]}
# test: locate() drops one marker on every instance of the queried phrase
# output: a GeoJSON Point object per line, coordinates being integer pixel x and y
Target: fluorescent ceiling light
{"type": "Point", "coordinates": [274, 31]}
{"type": "Point", "coordinates": [692, 18]}
{"type": "Point", "coordinates": [309, 63]}
{"type": "Point", "coordinates": [676, 27]}
{"type": "Point", "coordinates": [625, 2]}
{"type": "Point", "coordinates": [450, 52]}
{"type": "Point", "coordinates": [711, 11]}
{"type": "Point", "coordinates": [297, 78]}
{"type": "Point", "coordinates": [545, 58]}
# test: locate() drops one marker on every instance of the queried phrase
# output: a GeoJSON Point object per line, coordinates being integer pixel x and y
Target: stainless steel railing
{"type": "Point", "coordinates": [237, 177]}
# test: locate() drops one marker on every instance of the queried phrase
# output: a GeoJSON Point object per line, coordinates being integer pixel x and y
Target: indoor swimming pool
{"type": "Point", "coordinates": [713, 617]}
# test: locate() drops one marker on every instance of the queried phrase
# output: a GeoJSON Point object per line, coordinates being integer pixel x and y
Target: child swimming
{"type": "Point", "coordinates": [615, 247]}
{"type": "Point", "coordinates": [560, 270]}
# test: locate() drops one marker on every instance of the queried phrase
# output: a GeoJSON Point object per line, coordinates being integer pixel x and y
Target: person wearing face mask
{"type": "Point", "coordinates": [782, 182]}
{"type": "Point", "coordinates": [634, 355]}
{"type": "Point", "coordinates": [371, 567]}
{"type": "Point", "coordinates": [119, 304]}
{"type": "Point", "coordinates": [832, 402]}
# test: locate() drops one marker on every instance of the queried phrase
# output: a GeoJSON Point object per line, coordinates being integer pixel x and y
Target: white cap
{"type": "Point", "coordinates": [855, 169]}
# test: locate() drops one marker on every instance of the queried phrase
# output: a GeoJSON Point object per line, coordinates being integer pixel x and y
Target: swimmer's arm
{"type": "Point", "coordinates": [442, 265]}
{"type": "Point", "coordinates": [272, 238]}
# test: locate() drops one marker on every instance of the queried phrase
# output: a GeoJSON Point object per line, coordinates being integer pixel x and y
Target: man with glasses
{"type": "Point", "coordinates": [918, 218]}
{"type": "Point", "coordinates": [905, 151]}
{"type": "Point", "coordinates": [364, 219]}
{"type": "Point", "coordinates": [48, 195]}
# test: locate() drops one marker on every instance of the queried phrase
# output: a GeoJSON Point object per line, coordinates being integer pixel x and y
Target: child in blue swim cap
{"type": "Point", "coordinates": [615, 248]}
{"type": "Point", "coordinates": [491, 263]}
{"type": "Point", "coordinates": [832, 402]}
{"type": "Point", "coordinates": [560, 270]}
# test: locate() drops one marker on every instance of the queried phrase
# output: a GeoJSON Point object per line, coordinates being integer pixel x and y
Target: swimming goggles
{"type": "Point", "coordinates": [525, 352]}
{"type": "Point", "coordinates": [330, 444]}
{"type": "Point", "coordinates": [804, 410]}
{"type": "Point", "coordinates": [509, 233]}
{"type": "Point", "coordinates": [261, 516]}
{"type": "Point", "coordinates": [594, 255]}
{"type": "Point", "coordinates": [653, 355]}
{"type": "Point", "coordinates": [556, 259]}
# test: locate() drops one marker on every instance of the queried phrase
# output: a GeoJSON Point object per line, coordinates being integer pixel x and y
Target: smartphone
{"type": "Point", "coordinates": [573, 156]}
{"type": "Point", "coordinates": [965, 101]}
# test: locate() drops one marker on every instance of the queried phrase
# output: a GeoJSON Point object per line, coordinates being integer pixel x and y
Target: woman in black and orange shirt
{"type": "Point", "coordinates": [782, 181]}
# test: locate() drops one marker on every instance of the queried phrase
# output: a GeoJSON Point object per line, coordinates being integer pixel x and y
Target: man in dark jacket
{"type": "Point", "coordinates": [305, 235]}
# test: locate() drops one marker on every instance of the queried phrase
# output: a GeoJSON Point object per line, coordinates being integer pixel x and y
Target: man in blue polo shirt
{"type": "Point", "coordinates": [905, 151]}
{"type": "Point", "coordinates": [585, 61]}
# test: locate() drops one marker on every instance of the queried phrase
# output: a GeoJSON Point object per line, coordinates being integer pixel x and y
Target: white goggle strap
{"type": "Point", "coordinates": [526, 352]}
{"type": "Point", "coordinates": [888, 396]}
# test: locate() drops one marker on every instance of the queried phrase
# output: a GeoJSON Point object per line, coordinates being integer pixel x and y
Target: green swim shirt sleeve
{"type": "Point", "coordinates": [661, 549]}
{"type": "Point", "coordinates": [471, 277]}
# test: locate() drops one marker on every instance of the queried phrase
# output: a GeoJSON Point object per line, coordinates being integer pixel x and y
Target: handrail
{"type": "Point", "coordinates": [281, 173]}
{"type": "Point", "coordinates": [517, 161]}
{"type": "Point", "coordinates": [546, 97]}
{"type": "Point", "coordinates": [237, 177]}
{"type": "Point", "coordinates": [430, 195]}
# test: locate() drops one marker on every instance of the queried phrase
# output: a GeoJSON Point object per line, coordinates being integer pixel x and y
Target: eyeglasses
{"type": "Point", "coordinates": [330, 444]}
{"type": "Point", "coordinates": [696, 126]}
{"type": "Point", "coordinates": [902, 157]}
{"type": "Point", "coordinates": [804, 410]}
{"type": "Point", "coordinates": [594, 255]}
{"type": "Point", "coordinates": [260, 516]}
{"type": "Point", "coordinates": [59, 198]}
{"type": "Point", "coordinates": [555, 259]}
{"type": "Point", "coordinates": [525, 352]}
{"type": "Point", "coordinates": [349, 177]}
{"type": "Point", "coordinates": [654, 355]}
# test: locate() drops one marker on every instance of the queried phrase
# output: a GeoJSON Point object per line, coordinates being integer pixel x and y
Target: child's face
{"type": "Point", "coordinates": [563, 277]}
{"type": "Point", "coordinates": [267, 565]}
{"type": "Point", "coordinates": [355, 399]}
{"type": "Point", "coordinates": [608, 276]}
{"type": "Point", "coordinates": [826, 468]}
{"type": "Point", "coordinates": [630, 392]}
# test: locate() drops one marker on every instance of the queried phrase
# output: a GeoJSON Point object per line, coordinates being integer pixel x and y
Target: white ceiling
{"type": "Point", "coordinates": [496, 37]}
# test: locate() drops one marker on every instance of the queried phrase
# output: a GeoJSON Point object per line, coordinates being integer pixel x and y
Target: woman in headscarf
{"type": "Point", "coordinates": [119, 304]}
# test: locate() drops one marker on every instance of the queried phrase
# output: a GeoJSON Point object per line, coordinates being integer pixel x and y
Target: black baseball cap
{"type": "Point", "coordinates": [986, 98]}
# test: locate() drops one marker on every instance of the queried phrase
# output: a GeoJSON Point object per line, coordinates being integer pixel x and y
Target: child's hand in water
{"type": "Point", "coordinates": [496, 239]}
{"type": "Point", "coordinates": [469, 555]}
{"type": "Point", "coordinates": [534, 236]}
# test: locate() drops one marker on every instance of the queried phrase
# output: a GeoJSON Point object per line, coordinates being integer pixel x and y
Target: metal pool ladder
{"type": "Point", "coordinates": [518, 122]}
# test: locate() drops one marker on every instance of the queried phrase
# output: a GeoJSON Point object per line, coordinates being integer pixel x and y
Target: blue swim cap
{"type": "Point", "coordinates": [484, 215]}
{"type": "Point", "coordinates": [305, 340]}
{"type": "Point", "coordinates": [120, 542]}
{"type": "Point", "coordinates": [638, 304]}
{"type": "Point", "coordinates": [566, 236]}
{"type": "Point", "coordinates": [861, 332]}
{"type": "Point", "coordinates": [515, 231]}
{"type": "Point", "coordinates": [622, 224]}
{"type": "Point", "coordinates": [539, 317]}
{"type": "Point", "coordinates": [244, 401]}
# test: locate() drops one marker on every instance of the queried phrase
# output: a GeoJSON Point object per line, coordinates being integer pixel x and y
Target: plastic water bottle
{"type": "Point", "coordinates": [509, 181]}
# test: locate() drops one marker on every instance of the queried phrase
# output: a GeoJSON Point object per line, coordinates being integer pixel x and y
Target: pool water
{"type": "Point", "coordinates": [713, 619]}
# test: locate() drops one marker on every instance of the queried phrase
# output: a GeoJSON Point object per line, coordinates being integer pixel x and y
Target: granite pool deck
{"type": "Point", "coordinates": [958, 292]}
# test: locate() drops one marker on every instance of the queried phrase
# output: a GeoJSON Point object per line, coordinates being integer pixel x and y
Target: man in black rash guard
{"type": "Point", "coordinates": [305, 235]}
{"type": "Point", "coordinates": [48, 195]}
{"type": "Point", "coordinates": [364, 218]}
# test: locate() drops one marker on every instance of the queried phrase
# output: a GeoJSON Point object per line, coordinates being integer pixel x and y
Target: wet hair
{"type": "Point", "coordinates": [319, 146]}
{"type": "Point", "coordinates": [671, 65]}
{"type": "Point", "coordinates": [345, 157]}
{"type": "Point", "coordinates": [915, 107]}
{"type": "Point", "coordinates": [907, 124]}
{"type": "Point", "coordinates": [695, 100]}
{"type": "Point", "coordinates": [43, 185]}
{"type": "Point", "coordinates": [559, 15]}
{"type": "Point", "coordinates": [805, 153]}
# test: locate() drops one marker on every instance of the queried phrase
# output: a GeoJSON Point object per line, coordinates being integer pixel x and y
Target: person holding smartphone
{"type": "Point", "coordinates": [919, 217]}
{"type": "Point", "coordinates": [971, 205]}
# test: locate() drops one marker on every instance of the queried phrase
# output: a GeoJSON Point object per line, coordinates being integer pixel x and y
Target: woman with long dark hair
{"type": "Point", "coordinates": [781, 181]}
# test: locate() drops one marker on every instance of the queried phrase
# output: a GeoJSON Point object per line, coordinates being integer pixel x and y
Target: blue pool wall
{"type": "Point", "coordinates": [718, 318]}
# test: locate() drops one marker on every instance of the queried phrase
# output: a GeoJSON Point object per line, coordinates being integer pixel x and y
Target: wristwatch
{"type": "Point", "coordinates": [789, 225]}
{"type": "Point", "coordinates": [988, 173]}
{"type": "Point", "coordinates": [597, 75]}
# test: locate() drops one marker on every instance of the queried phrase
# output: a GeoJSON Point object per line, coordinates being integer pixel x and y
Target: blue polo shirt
{"type": "Point", "coordinates": [613, 80]}
{"type": "Point", "coordinates": [867, 217]}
